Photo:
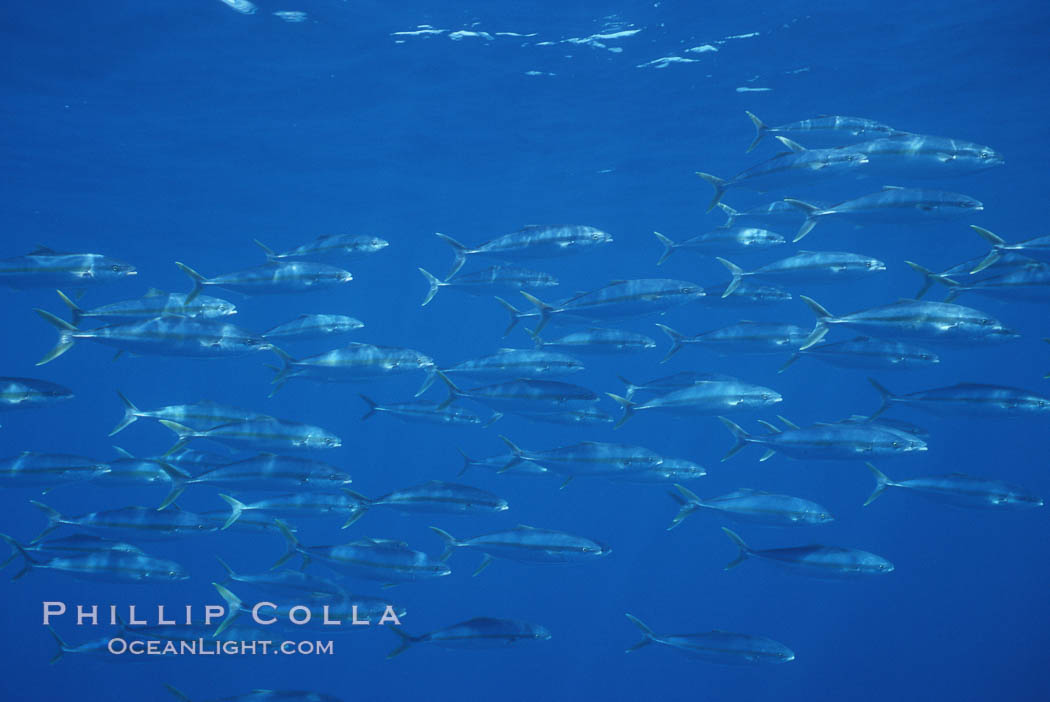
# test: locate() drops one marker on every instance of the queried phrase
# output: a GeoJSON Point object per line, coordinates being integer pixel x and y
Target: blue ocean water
{"type": "Point", "coordinates": [156, 132]}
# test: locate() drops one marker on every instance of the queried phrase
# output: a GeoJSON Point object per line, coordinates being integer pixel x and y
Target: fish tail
{"type": "Point", "coordinates": [62, 646]}
{"type": "Point", "coordinates": [230, 575]}
{"type": "Point", "coordinates": [467, 462]}
{"type": "Point", "coordinates": [631, 387]}
{"type": "Point", "coordinates": [929, 278]}
{"type": "Point", "coordinates": [270, 255]}
{"type": "Point", "coordinates": [731, 214]}
{"type": "Point", "coordinates": [993, 255]}
{"type": "Point", "coordinates": [744, 549]}
{"type": "Point", "coordinates": [820, 329]}
{"type": "Point", "coordinates": [881, 483]}
{"type": "Point", "coordinates": [688, 501]}
{"type": "Point", "coordinates": [760, 130]}
{"type": "Point", "coordinates": [179, 481]}
{"type": "Point", "coordinates": [544, 309]}
{"type": "Point", "coordinates": [233, 608]}
{"type": "Point", "coordinates": [458, 249]}
{"type": "Point", "coordinates": [361, 506]}
{"type": "Point", "coordinates": [787, 364]}
{"type": "Point", "coordinates": [887, 398]}
{"type": "Point", "coordinates": [427, 382]}
{"type": "Point", "coordinates": [372, 406]}
{"type": "Point", "coordinates": [519, 455]}
{"type": "Point", "coordinates": [453, 391]}
{"type": "Point", "coordinates": [198, 282]}
{"type": "Point", "coordinates": [54, 519]}
{"type": "Point", "coordinates": [738, 274]}
{"type": "Point", "coordinates": [20, 550]}
{"type": "Point", "coordinates": [628, 408]}
{"type": "Point", "coordinates": [435, 285]}
{"type": "Point", "coordinates": [65, 336]}
{"type": "Point", "coordinates": [742, 437]}
{"type": "Point", "coordinates": [812, 212]}
{"type": "Point", "coordinates": [236, 509]}
{"type": "Point", "coordinates": [130, 414]}
{"type": "Point", "coordinates": [647, 633]}
{"type": "Point", "coordinates": [286, 370]}
{"type": "Point", "coordinates": [177, 692]}
{"type": "Point", "coordinates": [403, 645]}
{"type": "Point", "coordinates": [74, 308]}
{"type": "Point", "coordinates": [676, 342]}
{"type": "Point", "coordinates": [183, 432]}
{"type": "Point", "coordinates": [450, 542]}
{"type": "Point", "coordinates": [669, 247]}
{"type": "Point", "coordinates": [515, 314]}
{"type": "Point", "coordinates": [718, 184]}
{"type": "Point", "coordinates": [291, 544]}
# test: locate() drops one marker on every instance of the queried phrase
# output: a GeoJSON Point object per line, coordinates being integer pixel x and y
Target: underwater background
{"type": "Point", "coordinates": [164, 131]}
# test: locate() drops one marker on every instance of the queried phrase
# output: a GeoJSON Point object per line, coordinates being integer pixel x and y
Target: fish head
{"type": "Point", "coordinates": [877, 564]}
{"type": "Point", "coordinates": [324, 440]}
{"type": "Point", "coordinates": [821, 518]}
{"type": "Point", "coordinates": [1021, 499]}
{"type": "Point", "coordinates": [597, 549]}
{"type": "Point", "coordinates": [375, 244]}
{"type": "Point", "coordinates": [220, 308]}
{"type": "Point", "coordinates": [873, 264]}
{"type": "Point", "coordinates": [501, 506]}
{"type": "Point", "coordinates": [592, 236]}
{"type": "Point", "coordinates": [105, 268]}
{"type": "Point", "coordinates": [983, 156]}
{"type": "Point", "coordinates": [540, 633]}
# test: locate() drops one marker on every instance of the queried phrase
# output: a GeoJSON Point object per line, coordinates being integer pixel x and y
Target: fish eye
{"type": "Point", "coordinates": [115, 268]}
{"type": "Point", "coordinates": [896, 444]}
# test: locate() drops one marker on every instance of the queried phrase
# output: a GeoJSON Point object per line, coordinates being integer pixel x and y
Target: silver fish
{"type": "Point", "coordinates": [155, 303]}
{"type": "Point", "coordinates": [529, 395]}
{"type": "Point", "coordinates": [313, 326]}
{"type": "Point", "coordinates": [107, 565]}
{"type": "Point", "coordinates": [34, 469]}
{"type": "Point", "coordinates": [432, 497]}
{"type": "Point", "coordinates": [706, 397]}
{"type": "Point", "coordinates": [477, 633]}
{"type": "Point", "coordinates": [329, 247]}
{"type": "Point", "coordinates": [428, 413]}
{"type": "Point", "coordinates": [723, 647]}
{"type": "Point", "coordinates": [526, 544]}
{"type": "Point", "coordinates": [827, 441]}
{"type": "Point", "coordinates": [826, 131]}
{"type": "Point", "coordinates": [960, 491]}
{"type": "Point", "coordinates": [753, 506]}
{"type": "Point", "coordinates": [26, 393]}
{"type": "Point", "coordinates": [724, 240]}
{"type": "Point", "coordinates": [892, 205]}
{"type": "Point", "coordinates": [499, 278]}
{"type": "Point", "coordinates": [808, 267]}
{"type": "Point", "coordinates": [535, 241]}
{"type": "Point", "coordinates": [620, 299]}
{"type": "Point", "coordinates": [914, 319]}
{"type": "Point", "coordinates": [372, 559]}
{"type": "Point", "coordinates": [201, 415]}
{"type": "Point", "coordinates": [743, 337]}
{"type": "Point", "coordinates": [791, 168]}
{"type": "Point", "coordinates": [47, 268]}
{"type": "Point", "coordinates": [830, 562]}
{"type": "Point", "coordinates": [599, 341]}
{"type": "Point", "coordinates": [270, 278]}
{"type": "Point", "coordinates": [968, 399]}
{"type": "Point", "coordinates": [865, 352]}
{"type": "Point", "coordinates": [255, 434]}
{"type": "Point", "coordinates": [352, 363]}
{"type": "Point", "coordinates": [160, 336]}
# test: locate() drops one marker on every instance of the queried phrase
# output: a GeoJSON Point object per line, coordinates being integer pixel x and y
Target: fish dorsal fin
{"type": "Point", "coordinates": [123, 453]}
{"type": "Point", "coordinates": [527, 527]}
{"type": "Point", "coordinates": [787, 422]}
{"type": "Point", "coordinates": [155, 292]}
{"type": "Point", "coordinates": [793, 145]}
{"type": "Point", "coordinates": [382, 542]}
{"type": "Point", "coordinates": [42, 250]}
{"type": "Point", "coordinates": [891, 187]}
{"type": "Point", "coordinates": [768, 425]}
{"type": "Point", "coordinates": [505, 350]}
